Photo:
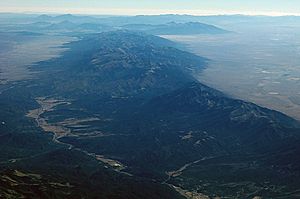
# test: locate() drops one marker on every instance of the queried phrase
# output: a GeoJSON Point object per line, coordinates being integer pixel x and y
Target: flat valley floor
{"type": "Point", "coordinates": [253, 64]}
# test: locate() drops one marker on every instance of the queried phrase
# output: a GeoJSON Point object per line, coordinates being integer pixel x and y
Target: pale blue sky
{"type": "Point", "coordinates": [271, 7]}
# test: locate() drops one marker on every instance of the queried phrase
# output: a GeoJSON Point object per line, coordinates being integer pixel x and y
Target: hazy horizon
{"type": "Point", "coordinates": [134, 7]}
{"type": "Point", "coordinates": [150, 14]}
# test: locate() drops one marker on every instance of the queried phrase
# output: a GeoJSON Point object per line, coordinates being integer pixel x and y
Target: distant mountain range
{"type": "Point", "coordinates": [176, 28]}
{"type": "Point", "coordinates": [217, 20]}
{"type": "Point", "coordinates": [73, 24]}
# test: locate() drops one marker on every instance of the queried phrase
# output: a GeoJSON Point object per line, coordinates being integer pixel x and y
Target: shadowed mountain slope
{"type": "Point", "coordinates": [131, 100]}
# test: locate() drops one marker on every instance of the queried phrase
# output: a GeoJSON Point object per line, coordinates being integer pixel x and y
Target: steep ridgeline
{"type": "Point", "coordinates": [190, 28]}
{"type": "Point", "coordinates": [123, 64]}
{"type": "Point", "coordinates": [115, 70]}
{"type": "Point", "coordinates": [133, 98]}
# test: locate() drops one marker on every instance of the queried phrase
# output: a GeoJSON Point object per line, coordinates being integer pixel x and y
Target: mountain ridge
{"type": "Point", "coordinates": [132, 98]}
{"type": "Point", "coordinates": [173, 28]}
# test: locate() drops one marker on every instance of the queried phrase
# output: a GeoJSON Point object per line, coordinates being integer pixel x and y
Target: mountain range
{"type": "Point", "coordinates": [127, 118]}
{"type": "Point", "coordinates": [174, 28]}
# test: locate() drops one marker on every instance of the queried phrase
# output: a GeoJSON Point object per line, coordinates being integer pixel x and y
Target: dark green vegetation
{"type": "Point", "coordinates": [50, 170]}
{"type": "Point", "coordinates": [133, 98]}
{"type": "Point", "coordinates": [100, 184]}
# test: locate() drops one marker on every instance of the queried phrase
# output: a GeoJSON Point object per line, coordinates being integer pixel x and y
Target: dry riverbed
{"type": "Point", "coordinates": [62, 129]}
